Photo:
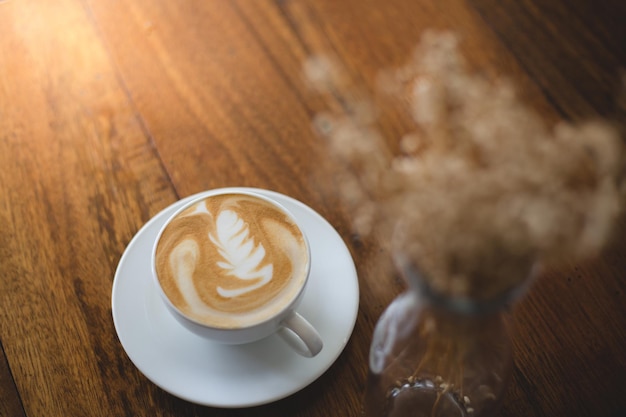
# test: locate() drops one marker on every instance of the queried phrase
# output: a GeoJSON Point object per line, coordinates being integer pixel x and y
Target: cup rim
{"type": "Point", "coordinates": [224, 191]}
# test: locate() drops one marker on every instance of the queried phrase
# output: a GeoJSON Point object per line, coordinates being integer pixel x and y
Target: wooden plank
{"type": "Point", "coordinates": [369, 38]}
{"type": "Point", "coordinates": [574, 50]}
{"type": "Point", "coordinates": [10, 402]}
{"type": "Point", "coordinates": [78, 178]}
{"type": "Point", "coordinates": [226, 102]}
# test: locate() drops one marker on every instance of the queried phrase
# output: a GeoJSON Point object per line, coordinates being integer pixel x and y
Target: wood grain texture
{"type": "Point", "coordinates": [78, 178]}
{"type": "Point", "coordinates": [570, 337]}
{"type": "Point", "coordinates": [10, 403]}
{"type": "Point", "coordinates": [235, 120]}
{"type": "Point", "coordinates": [111, 110]}
{"type": "Point", "coordinates": [575, 51]}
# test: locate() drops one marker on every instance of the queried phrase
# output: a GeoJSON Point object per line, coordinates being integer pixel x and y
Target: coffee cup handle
{"type": "Point", "coordinates": [301, 335]}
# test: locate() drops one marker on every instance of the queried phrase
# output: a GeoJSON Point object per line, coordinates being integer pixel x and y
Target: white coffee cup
{"type": "Point", "coordinates": [232, 266]}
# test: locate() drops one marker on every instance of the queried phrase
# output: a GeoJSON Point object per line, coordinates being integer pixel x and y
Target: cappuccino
{"type": "Point", "coordinates": [231, 260]}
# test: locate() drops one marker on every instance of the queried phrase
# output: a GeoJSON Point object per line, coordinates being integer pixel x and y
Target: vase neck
{"type": "Point", "coordinates": [459, 304]}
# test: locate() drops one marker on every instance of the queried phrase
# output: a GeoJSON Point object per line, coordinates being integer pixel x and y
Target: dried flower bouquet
{"type": "Point", "coordinates": [480, 187]}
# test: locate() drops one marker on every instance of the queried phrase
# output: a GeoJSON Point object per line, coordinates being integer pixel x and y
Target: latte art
{"type": "Point", "coordinates": [242, 256]}
{"type": "Point", "coordinates": [231, 260]}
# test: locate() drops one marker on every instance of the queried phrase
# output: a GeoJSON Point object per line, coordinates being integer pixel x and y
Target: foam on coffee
{"type": "Point", "coordinates": [231, 260]}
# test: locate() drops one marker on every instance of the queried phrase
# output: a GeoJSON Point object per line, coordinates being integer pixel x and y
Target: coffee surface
{"type": "Point", "coordinates": [231, 260]}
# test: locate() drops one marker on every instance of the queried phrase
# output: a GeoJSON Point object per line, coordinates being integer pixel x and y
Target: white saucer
{"type": "Point", "coordinates": [206, 373]}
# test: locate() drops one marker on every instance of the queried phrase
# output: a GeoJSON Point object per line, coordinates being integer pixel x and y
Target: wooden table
{"type": "Point", "coordinates": [112, 110]}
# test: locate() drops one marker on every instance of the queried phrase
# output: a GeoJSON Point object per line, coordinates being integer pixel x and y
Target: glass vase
{"type": "Point", "coordinates": [435, 356]}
